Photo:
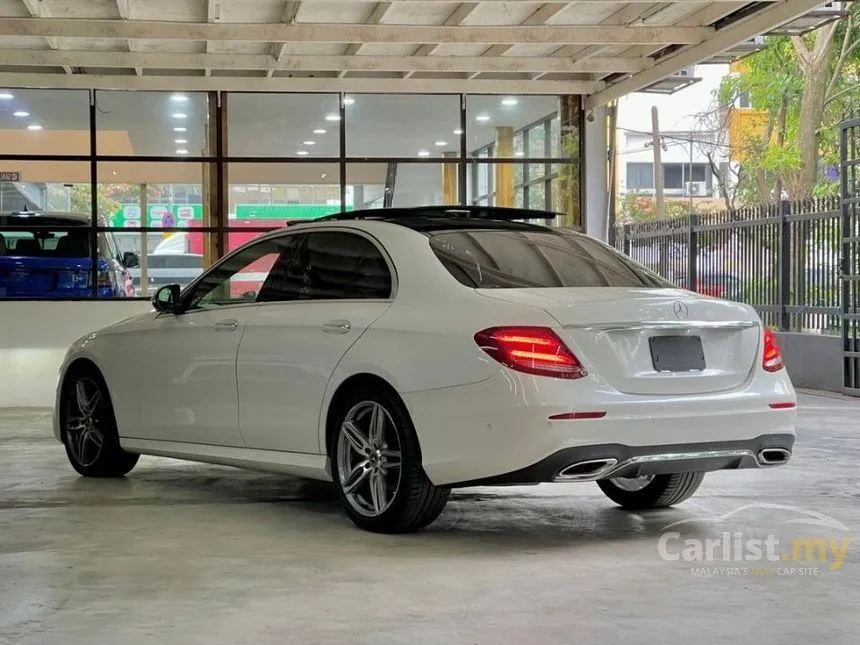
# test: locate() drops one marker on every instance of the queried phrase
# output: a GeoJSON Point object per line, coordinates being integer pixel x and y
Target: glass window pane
{"type": "Point", "coordinates": [272, 195]}
{"type": "Point", "coordinates": [242, 277]}
{"type": "Point", "coordinates": [335, 265]}
{"type": "Point", "coordinates": [152, 123]}
{"type": "Point", "coordinates": [44, 122]}
{"type": "Point", "coordinates": [381, 185]}
{"type": "Point", "coordinates": [493, 119]}
{"type": "Point", "coordinates": [283, 125]}
{"type": "Point", "coordinates": [508, 259]}
{"type": "Point", "coordinates": [399, 125]}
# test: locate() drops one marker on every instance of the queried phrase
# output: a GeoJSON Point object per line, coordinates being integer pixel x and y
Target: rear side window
{"type": "Point", "coordinates": [528, 259]}
{"type": "Point", "coordinates": [335, 265]}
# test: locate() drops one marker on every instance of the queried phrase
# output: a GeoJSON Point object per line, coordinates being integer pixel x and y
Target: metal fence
{"type": "Point", "coordinates": [783, 259]}
{"type": "Point", "coordinates": [849, 134]}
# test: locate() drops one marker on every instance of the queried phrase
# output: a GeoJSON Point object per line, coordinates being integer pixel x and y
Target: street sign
{"type": "Point", "coordinates": [10, 176]}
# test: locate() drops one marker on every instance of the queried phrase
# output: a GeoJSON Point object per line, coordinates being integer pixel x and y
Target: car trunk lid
{"type": "Point", "coordinates": [26, 277]}
{"type": "Point", "coordinates": [650, 341]}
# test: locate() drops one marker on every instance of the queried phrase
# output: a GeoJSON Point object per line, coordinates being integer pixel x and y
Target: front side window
{"type": "Point", "coordinates": [529, 259]}
{"type": "Point", "coordinates": [246, 277]}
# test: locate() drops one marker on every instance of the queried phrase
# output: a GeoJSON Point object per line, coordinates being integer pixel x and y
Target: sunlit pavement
{"type": "Point", "coordinates": [191, 554]}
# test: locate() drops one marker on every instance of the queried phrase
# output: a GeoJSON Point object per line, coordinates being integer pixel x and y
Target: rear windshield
{"type": "Point", "coordinates": [528, 259]}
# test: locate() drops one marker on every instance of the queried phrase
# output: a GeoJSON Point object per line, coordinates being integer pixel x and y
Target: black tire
{"type": "Point", "coordinates": [415, 502]}
{"type": "Point", "coordinates": [81, 432]}
{"type": "Point", "coordinates": [662, 491]}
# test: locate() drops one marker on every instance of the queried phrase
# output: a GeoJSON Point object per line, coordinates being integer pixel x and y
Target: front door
{"type": "Point", "coordinates": [189, 358]}
{"type": "Point", "coordinates": [336, 285]}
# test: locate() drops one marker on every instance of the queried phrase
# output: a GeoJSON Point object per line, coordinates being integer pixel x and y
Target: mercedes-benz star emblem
{"type": "Point", "coordinates": [680, 309]}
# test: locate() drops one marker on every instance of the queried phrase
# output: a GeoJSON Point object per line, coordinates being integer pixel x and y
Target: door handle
{"type": "Point", "coordinates": [230, 324]}
{"type": "Point", "coordinates": [337, 327]}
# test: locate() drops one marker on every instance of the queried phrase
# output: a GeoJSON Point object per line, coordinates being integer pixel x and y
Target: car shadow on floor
{"type": "Point", "coordinates": [512, 518]}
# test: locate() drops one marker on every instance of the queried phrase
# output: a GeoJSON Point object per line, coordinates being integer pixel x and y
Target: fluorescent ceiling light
{"type": "Point", "coordinates": [423, 153]}
{"type": "Point", "coordinates": [332, 117]}
{"type": "Point", "coordinates": [349, 101]}
{"type": "Point", "coordinates": [519, 153]}
{"type": "Point", "coordinates": [179, 115]}
{"type": "Point", "coordinates": [180, 129]}
{"type": "Point", "coordinates": [309, 143]}
{"type": "Point", "coordinates": [179, 98]}
{"type": "Point", "coordinates": [180, 141]}
{"type": "Point", "coordinates": [319, 131]}
{"type": "Point", "coordinates": [458, 132]}
{"type": "Point", "coordinates": [482, 117]}
{"type": "Point", "coordinates": [181, 151]}
{"type": "Point", "coordinates": [509, 101]}
{"type": "Point", "coordinates": [6, 96]}
{"type": "Point", "coordinates": [441, 143]}
{"type": "Point", "coordinates": [34, 126]}
{"type": "Point", "coordinates": [302, 153]}
{"type": "Point", "coordinates": [20, 114]}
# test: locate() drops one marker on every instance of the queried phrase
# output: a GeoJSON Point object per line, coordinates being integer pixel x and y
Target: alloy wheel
{"type": "Point", "coordinates": [369, 458]}
{"type": "Point", "coordinates": [632, 484]}
{"type": "Point", "coordinates": [84, 415]}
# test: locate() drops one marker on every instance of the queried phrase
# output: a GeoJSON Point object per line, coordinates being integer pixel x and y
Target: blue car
{"type": "Point", "coordinates": [48, 255]}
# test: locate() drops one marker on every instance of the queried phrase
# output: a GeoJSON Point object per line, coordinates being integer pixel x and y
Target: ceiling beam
{"type": "Point", "coordinates": [457, 17]}
{"type": "Point", "coordinates": [291, 12]}
{"type": "Point", "coordinates": [726, 38]}
{"type": "Point", "coordinates": [124, 9]}
{"type": "Point", "coordinates": [606, 2]}
{"type": "Point", "coordinates": [38, 11]}
{"type": "Point", "coordinates": [539, 17]}
{"type": "Point", "coordinates": [347, 33]}
{"type": "Point", "coordinates": [245, 84]}
{"type": "Point", "coordinates": [318, 63]}
{"type": "Point", "coordinates": [376, 15]}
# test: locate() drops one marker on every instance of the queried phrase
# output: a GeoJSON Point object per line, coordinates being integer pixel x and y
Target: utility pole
{"type": "Point", "coordinates": [658, 163]}
{"type": "Point", "coordinates": [690, 182]}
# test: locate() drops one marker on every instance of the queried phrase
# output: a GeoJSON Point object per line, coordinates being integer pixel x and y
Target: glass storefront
{"type": "Point", "coordinates": [111, 194]}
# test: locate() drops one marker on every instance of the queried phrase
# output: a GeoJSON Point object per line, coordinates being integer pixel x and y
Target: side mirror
{"type": "Point", "coordinates": [130, 260]}
{"type": "Point", "coordinates": [166, 299]}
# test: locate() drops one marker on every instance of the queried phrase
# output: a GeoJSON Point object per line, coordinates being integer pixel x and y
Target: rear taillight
{"type": "Point", "coordinates": [533, 350]}
{"type": "Point", "coordinates": [772, 359]}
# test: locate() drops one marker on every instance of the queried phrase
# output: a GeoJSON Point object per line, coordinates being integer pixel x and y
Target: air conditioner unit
{"type": "Point", "coordinates": [698, 188]}
{"type": "Point", "coordinates": [687, 71]}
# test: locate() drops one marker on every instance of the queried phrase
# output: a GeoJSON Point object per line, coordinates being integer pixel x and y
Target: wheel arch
{"type": "Point", "coordinates": [339, 396]}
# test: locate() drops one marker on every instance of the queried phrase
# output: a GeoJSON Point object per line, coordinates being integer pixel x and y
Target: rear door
{"type": "Point", "coordinates": [336, 285]}
{"type": "Point", "coordinates": [634, 330]}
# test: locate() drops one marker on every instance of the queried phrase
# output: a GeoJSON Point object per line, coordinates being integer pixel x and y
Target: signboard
{"type": "Point", "coordinates": [285, 211]}
{"type": "Point", "coordinates": [157, 215]}
{"type": "Point", "coordinates": [10, 176]}
{"type": "Point", "coordinates": [181, 215]}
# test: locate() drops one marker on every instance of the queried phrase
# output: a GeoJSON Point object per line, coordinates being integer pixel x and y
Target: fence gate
{"type": "Point", "coordinates": [850, 178]}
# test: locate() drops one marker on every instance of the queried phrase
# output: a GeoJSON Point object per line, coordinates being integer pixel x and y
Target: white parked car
{"type": "Point", "coordinates": [401, 353]}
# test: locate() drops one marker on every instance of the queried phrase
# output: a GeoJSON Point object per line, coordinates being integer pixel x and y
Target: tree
{"type": "Point", "coordinates": [803, 85]}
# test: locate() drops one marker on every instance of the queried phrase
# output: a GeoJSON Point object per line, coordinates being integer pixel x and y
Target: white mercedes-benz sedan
{"type": "Point", "coordinates": [401, 353]}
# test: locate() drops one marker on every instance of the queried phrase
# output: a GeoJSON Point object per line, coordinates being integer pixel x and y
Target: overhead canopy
{"type": "Point", "coordinates": [602, 48]}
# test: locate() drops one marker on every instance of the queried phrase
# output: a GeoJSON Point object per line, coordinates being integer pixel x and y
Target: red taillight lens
{"type": "Point", "coordinates": [772, 360]}
{"type": "Point", "coordinates": [533, 350]}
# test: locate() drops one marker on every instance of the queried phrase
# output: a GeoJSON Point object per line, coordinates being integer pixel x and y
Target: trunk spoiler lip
{"type": "Point", "coordinates": [668, 325]}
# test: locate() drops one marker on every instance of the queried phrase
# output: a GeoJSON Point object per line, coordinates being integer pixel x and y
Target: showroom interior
{"type": "Point", "coordinates": [181, 129]}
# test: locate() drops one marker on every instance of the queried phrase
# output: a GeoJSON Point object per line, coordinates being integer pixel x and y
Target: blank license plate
{"type": "Point", "coordinates": [677, 353]}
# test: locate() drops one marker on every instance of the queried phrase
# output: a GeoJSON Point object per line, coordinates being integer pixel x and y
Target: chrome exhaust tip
{"type": "Point", "coordinates": [585, 470]}
{"type": "Point", "coordinates": [773, 456]}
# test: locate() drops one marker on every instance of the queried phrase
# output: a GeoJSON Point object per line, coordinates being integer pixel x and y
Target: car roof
{"type": "Point", "coordinates": [44, 218]}
{"type": "Point", "coordinates": [429, 219]}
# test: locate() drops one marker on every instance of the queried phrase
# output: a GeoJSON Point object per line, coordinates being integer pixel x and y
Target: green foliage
{"type": "Point", "coordinates": [775, 79]}
{"type": "Point", "coordinates": [640, 208]}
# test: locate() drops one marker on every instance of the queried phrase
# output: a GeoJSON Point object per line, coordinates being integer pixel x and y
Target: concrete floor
{"type": "Point", "coordinates": [188, 554]}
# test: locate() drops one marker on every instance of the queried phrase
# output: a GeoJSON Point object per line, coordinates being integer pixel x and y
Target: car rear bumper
{"type": "Point", "coordinates": [491, 430]}
{"type": "Point", "coordinates": [591, 463]}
